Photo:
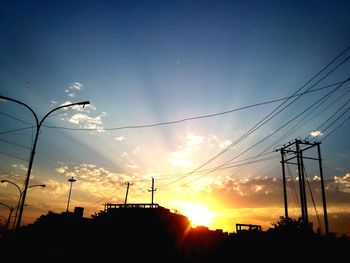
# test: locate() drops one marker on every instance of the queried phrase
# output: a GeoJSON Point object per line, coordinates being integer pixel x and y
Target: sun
{"type": "Point", "coordinates": [199, 215]}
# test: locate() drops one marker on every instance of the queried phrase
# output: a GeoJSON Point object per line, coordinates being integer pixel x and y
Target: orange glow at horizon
{"type": "Point", "coordinates": [199, 215]}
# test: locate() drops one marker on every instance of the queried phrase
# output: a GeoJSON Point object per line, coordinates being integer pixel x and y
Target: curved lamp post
{"type": "Point", "coordinates": [20, 196]}
{"type": "Point", "coordinates": [38, 126]}
{"type": "Point", "coordinates": [9, 218]}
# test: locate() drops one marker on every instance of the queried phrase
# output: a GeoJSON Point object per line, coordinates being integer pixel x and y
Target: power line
{"type": "Point", "coordinates": [300, 122]}
{"type": "Point", "coordinates": [15, 144]}
{"type": "Point", "coordinates": [281, 127]}
{"type": "Point", "coordinates": [341, 124]}
{"type": "Point", "coordinates": [294, 193]}
{"type": "Point", "coordinates": [269, 117]}
{"type": "Point", "coordinates": [312, 198]}
{"type": "Point", "coordinates": [18, 129]}
{"type": "Point", "coordinates": [235, 164]}
{"type": "Point", "coordinates": [254, 145]}
{"type": "Point", "coordinates": [222, 168]}
{"type": "Point", "coordinates": [12, 117]}
{"type": "Point", "coordinates": [13, 156]}
{"type": "Point", "coordinates": [319, 127]}
{"type": "Point", "coordinates": [337, 126]}
{"type": "Point", "coordinates": [196, 117]}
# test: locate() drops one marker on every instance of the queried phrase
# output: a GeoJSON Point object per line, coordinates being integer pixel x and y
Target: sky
{"type": "Point", "coordinates": [196, 94]}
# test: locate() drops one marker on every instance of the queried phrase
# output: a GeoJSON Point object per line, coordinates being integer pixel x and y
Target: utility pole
{"type": "Point", "coordinates": [322, 188]}
{"type": "Point", "coordinates": [295, 151]}
{"type": "Point", "coordinates": [284, 185]}
{"type": "Point", "coordinates": [127, 191]}
{"type": "Point", "coordinates": [152, 190]}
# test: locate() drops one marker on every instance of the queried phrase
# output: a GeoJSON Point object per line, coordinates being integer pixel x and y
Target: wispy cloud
{"type": "Point", "coordinates": [88, 122]}
{"type": "Point", "coordinates": [316, 133]}
{"type": "Point", "coordinates": [183, 156]}
{"type": "Point", "coordinates": [180, 158]}
{"type": "Point", "coordinates": [84, 118]}
{"type": "Point", "coordinates": [194, 139]}
{"type": "Point", "coordinates": [187, 152]}
{"type": "Point", "coordinates": [97, 181]}
{"type": "Point", "coordinates": [20, 167]}
{"type": "Point", "coordinates": [342, 183]}
{"type": "Point", "coordinates": [75, 86]}
{"type": "Point", "coordinates": [268, 191]}
{"type": "Point", "coordinates": [61, 169]}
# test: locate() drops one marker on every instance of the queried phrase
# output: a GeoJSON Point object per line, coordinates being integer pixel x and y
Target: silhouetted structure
{"type": "Point", "coordinates": [143, 232]}
{"type": "Point", "coordinates": [295, 151]}
{"type": "Point", "coordinates": [247, 227]}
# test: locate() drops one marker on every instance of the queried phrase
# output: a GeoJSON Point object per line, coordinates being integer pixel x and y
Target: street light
{"type": "Point", "coordinates": [38, 125]}
{"type": "Point", "coordinates": [71, 180]}
{"type": "Point", "coordinates": [20, 196]}
{"type": "Point", "coordinates": [9, 218]}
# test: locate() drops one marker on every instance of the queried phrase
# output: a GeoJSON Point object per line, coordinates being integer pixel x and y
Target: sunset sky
{"type": "Point", "coordinates": [191, 93]}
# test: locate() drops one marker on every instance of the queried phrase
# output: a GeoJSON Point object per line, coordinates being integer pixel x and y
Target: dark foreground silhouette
{"type": "Point", "coordinates": [151, 233]}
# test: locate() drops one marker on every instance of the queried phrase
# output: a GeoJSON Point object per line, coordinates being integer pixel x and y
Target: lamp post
{"type": "Point", "coordinates": [20, 196]}
{"type": "Point", "coordinates": [9, 218]}
{"type": "Point", "coordinates": [71, 180]}
{"type": "Point", "coordinates": [38, 126]}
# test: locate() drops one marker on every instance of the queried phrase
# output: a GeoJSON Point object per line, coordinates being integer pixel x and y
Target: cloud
{"type": "Point", "coordinates": [187, 153]}
{"type": "Point", "coordinates": [132, 166]}
{"type": "Point", "coordinates": [194, 139]}
{"type": "Point", "coordinates": [75, 86]}
{"type": "Point", "coordinates": [246, 192]}
{"type": "Point", "coordinates": [268, 191]}
{"type": "Point", "coordinates": [183, 156]}
{"type": "Point", "coordinates": [134, 152]}
{"type": "Point", "coordinates": [61, 169]}
{"type": "Point", "coordinates": [120, 138]}
{"type": "Point", "coordinates": [98, 181]}
{"type": "Point", "coordinates": [56, 188]}
{"type": "Point", "coordinates": [225, 144]}
{"type": "Point", "coordinates": [342, 183]}
{"type": "Point", "coordinates": [214, 141]}
{"type": "Point", "coordinates": [85, 116]}
{"type": "Point", "coordinates": [180, 158]}
{"type": "Point", "coordinates": [88, 122]}
{"type": "Point", "coordinates": [20, 167]}
{"type": "Point", "coordinates": [316, 133]}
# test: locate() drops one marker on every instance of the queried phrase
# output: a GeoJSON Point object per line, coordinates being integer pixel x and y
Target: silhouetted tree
{"type": "Point", "coordinates": [292, 226]}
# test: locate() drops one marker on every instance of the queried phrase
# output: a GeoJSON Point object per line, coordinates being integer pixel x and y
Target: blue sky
{"type": "Point", "coordinates": [146, 62]}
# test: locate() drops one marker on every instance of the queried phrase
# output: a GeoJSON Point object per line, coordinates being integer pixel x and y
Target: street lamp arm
{"type": "Point", "coordinates": [10, 208]}
{"type": "Point", "coordinates": [25, 105]}
{"type": "Point", "coordinates": [38, 125]}
{"type": "Point", "coordinates": [7, 181]}
{"type": "Point", "coordinates": [63, 106]}
{"type": "Point", "coordinates": [34, 185]}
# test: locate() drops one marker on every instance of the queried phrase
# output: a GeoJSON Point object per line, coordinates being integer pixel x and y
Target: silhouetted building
{"type": "Point", "coordinates": [150, 232]}
{"type": "Point", "coordinates": [247, 227]}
